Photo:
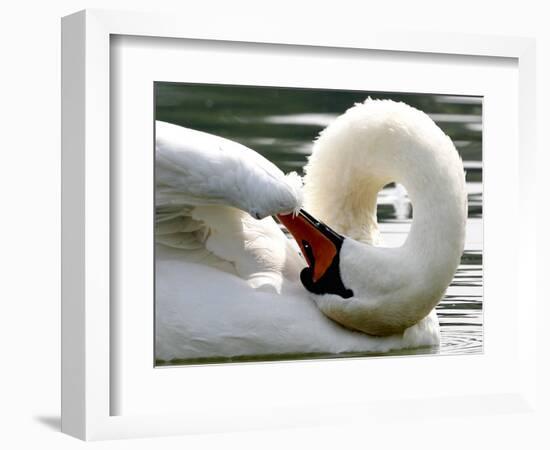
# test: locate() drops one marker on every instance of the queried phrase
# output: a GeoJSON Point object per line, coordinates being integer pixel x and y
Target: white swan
{"type": "Point", "coordinates": [227, 283]}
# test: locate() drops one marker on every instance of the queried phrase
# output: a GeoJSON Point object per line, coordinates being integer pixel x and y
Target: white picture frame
{"type": "Point", "coordinates": [88, 385]}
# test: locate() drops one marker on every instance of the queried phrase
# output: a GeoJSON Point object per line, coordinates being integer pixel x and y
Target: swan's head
{"type": "Point", "coordinates": [361, 287]}
{"type": "Point", "coordinates": [321, 246]}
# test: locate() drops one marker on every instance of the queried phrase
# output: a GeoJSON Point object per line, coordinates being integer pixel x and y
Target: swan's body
{"type": "Point", "coordinates": [227, 283]}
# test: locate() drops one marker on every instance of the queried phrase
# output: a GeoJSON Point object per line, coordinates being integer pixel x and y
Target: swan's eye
{"type": "Point", "coordinates": [308, 253]}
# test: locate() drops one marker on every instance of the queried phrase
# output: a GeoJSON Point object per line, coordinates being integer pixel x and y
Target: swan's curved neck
{"type": "Point", "coordinates": [439, 205]}
{"type": "Point", "coordinates": [352, 161]}
{"type": "Point", "coordinates": [434, 179]}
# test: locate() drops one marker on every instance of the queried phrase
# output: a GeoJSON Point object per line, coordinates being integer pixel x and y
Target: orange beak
{"type": "Point", "coordinates": [318, 242]}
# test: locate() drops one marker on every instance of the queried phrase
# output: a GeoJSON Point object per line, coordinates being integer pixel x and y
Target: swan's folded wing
{"type": "Point", "coordinates": [180, 237]}
{"type": "Point", "coordinates": [228, 239]}
{"type": "Point", "coordinates": [198, 168]}
{"type": "Point", "coordinates": [203, 185]}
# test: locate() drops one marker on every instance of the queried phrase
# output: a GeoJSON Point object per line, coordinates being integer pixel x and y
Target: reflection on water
{"type": "Point", "coordinates": [281, 124]}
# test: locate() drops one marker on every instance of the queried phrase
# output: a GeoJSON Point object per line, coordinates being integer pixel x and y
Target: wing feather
{"type": "Point", "coordinates": [202, 169]}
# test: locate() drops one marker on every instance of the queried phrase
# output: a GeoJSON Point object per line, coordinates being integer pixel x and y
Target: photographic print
{"type": "Point", "coordinates": [298, 223]}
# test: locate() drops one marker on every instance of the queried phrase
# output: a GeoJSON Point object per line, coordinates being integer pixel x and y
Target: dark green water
{"type": "Point", "coordinates": [281, 124]}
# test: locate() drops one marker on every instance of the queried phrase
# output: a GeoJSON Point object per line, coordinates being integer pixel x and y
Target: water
{"type": "Point", "coordinates": [281, 124]}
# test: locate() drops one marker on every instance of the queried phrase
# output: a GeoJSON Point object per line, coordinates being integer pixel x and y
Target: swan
{"type": "Point", "coordinates": [229, 283]}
